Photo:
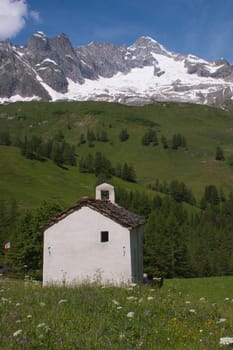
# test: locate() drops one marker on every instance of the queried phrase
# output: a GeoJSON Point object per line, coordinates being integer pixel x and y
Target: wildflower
{"type": "Point", "coordinates": [62, 301]}
{"type": "Point", "coordinates": [42, 304]}
{"type": "Point", "coordinates": [131, 298]}
{"type": "Point", "coordinates": [122, 335]}
{"type": "Point", "coordinates": [226, 341]}
{"type": "Point", "coordinates": [221, 320]}
{"type": "Point", "coordinates": [41, 325]}
{"type": "Point", "coordinates": [15, 334]}
{"type": "Point", "coordinates": [140, 300]}
{"type": "Point", "coordinates": [227, 299]}
{"type": "Point", "coordinates": [115, 302]}
{"type": "Point", "coordinates": [150, 298]}
{"type": "Point", "coordinates": [18, 321]}
{"type": "Point", "coordinates": [133, 285]}
{"type": "Point", "coordinates": [202, 299]}
{"type": "Point", "coordinates": [4, 299]}
{"type": "Point", "coordinates": [192, 311]}
{"type": "Point", "coordinates": [29, 316]}
{"type": "Point", "coordinates": [17, 304]}
{"type": "Point", "coordinates": [119, 307]}
{"type": "Point", "coordinates": [130, 314]}
{"type": "Point", "coordinates": [187, 302]}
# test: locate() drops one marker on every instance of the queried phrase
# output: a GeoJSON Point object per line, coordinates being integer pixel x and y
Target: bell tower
{"type": "Point", "coordinates": [105, 192]}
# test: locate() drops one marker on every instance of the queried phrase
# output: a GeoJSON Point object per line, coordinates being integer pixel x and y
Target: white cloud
{"type": "Point", "coordinates": [13, 16]}
{"type": "Point", "coordinates": [35, 15]}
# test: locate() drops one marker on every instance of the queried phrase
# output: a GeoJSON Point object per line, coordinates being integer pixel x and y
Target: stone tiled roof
{"type": "Point", "coordinates": [118, 214]}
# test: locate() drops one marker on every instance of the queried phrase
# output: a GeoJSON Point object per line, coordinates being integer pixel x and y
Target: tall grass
{"type": "Point", "coordinates": [183, 314]}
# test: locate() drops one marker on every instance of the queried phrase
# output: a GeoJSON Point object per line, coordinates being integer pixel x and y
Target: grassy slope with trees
{"type": "Point", "coordinates": [172, 148]}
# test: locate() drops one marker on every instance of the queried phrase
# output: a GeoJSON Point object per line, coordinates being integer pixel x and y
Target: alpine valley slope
{"type": "Point", "coordinates": [145, 72]}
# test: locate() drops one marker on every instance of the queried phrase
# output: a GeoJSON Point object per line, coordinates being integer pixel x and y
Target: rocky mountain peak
{"type": "Point", "coordinates": [144, 72]}
{"type": "Point", "coordinates": [146, 43]}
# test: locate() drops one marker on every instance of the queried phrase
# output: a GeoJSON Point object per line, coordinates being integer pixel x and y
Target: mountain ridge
{"type": "Point", "coordinates": [144, 72]}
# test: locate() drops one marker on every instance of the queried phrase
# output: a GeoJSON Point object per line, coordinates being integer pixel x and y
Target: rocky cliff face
{"type": "Point", "coordinates": [144, 72]}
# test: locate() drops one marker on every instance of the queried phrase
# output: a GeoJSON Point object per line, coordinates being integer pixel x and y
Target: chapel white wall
{"type": "Point", "coordinates": [73, 251]}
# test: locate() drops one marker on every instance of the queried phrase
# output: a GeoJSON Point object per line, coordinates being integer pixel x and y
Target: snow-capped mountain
{"type": "Point", "coordinates": [51, 69]}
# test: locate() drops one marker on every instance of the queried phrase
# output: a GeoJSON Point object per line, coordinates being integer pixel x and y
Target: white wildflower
{"type": "Point", "coordinates": [42, 303]}
{"type": "Point", "coordinates": [131, 298]}
{"type": "Point", "coordinates": [4, 300]}
{"type": "Point", "coordinates": [202, 299]}
{"type": "Point", "coordinates": [115, 302]}
{"type": "Point", "coordinates": [133, 285]}
{"type": "Point", "coordinates": [192, 311]}
{"type": "Point", "coordinates": [18, 321]}
{"type": "Point", "coordinates": [19, 331]}
{"type": "Point", "coordinates": [119, 307]}
{"type": "Point", "coordinates": [188, 302]}
{"type": "Point", "coordinates": [29, 316]}
{"type": "Point", "coordinates": [221, 320]}
{"type": "Point", "coordinates": [226, 341]}
{"type": "Point", "coordinates": [62, 301]}
{"type": "Point", "coordinates": [227, 299]}
{"type": "Point", "coordinates": [150, 298]}
{"type": "Point", "coordinates": [130, 314]}
{"type": "Point", "coordinates": [17, 304]}
{"type": "Point", "coordinates": [140, 300]}
{"type": "Point", "coordinates": [41, 325]}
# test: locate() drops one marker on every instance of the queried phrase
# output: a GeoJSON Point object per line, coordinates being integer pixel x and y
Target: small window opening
{"type": "Point", "coordinates": [104, 195]}
{"type": "Point", "coordinates": [104, 237]}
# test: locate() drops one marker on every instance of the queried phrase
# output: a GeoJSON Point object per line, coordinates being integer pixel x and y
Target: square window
{"type": "Point", "coordinates": [104, 195]}
{"type": "Point", "coordinates": [104, 236]}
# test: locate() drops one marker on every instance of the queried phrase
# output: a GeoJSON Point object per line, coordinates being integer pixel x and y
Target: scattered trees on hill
{"type": "Point", "coordinates": [124, 135]}
{"type": "Point", "coordinates": [56, 149]}
{"type": "Point", "coordinates": [177, 189]}
{"type": "Point", "coordinates": [5, 138]}
{"type": "Point", "coordinates": [99, 164]}
{"type": "Point", "coordinates": [219, 153]}
{"type": "Point", "coordinates": [178, 140]}
{"type": "Point", "coordinates": [91, 137]}
{"type": "Point", "coordinates": [150, 137]}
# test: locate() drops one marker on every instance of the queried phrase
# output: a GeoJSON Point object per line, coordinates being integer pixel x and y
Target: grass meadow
{"type": "Point", "coordinates": [183, 314]}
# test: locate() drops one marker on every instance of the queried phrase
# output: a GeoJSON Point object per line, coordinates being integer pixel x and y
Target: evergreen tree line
{"type": "Point", "coordinates": [150, 137]}
{"type": "Point", "coordinates": [177, 189]}
{"type": "Point", "coordinates": [101, 135]}
{"type": "Point", "coordinates": [56, 149]}
{"type": "Point", "coordinates": [99, 165]}
{"type": "Point", "coordinates": [181, 193]}
{"type": "Point", "coordinates": [180, 244]}
{"type": "Point", "coordinates": [24, 232]}
{"type": "Point", "coordinates": [176, 243]}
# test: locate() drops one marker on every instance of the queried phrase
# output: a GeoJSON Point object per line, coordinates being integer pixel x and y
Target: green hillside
{"type": "Point", "coordinates": [53, 153]}
{"type": "Point", "coordinates": [204, 129]}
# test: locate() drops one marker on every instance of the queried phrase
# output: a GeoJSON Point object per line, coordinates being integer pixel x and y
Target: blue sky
{"type": "Point", "coordinates": [200, 27]}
